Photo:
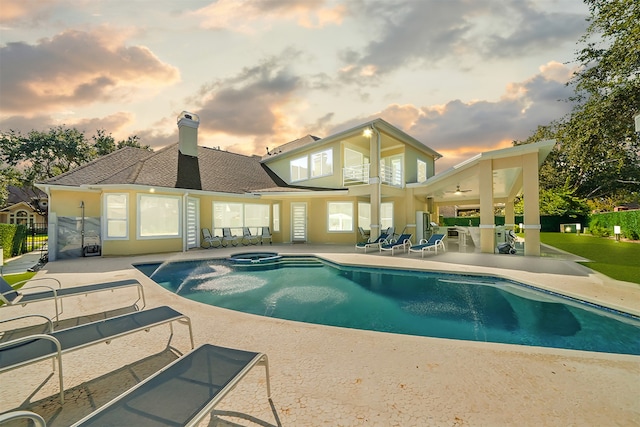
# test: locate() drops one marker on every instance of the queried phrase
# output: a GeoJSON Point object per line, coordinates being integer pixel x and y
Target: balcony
{"type": "Point", "coordinates": [359, 174]}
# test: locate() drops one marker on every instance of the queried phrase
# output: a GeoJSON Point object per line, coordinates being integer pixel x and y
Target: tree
{"type": "Point", "coordinates": [8, 176]}
{"type": "Point", "coordinates": [133, 141]}
{"type": "Point", "coordinates": [103, 143]}
{"type": "Point", "coordinates": [598, 150]}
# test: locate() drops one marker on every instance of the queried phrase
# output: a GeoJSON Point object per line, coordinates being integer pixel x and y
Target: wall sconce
{"type": "Point", "coordinates": [616, 231]}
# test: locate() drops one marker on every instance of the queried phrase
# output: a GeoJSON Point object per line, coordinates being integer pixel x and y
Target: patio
{"type": "Point", "coordinates": [334, 376]}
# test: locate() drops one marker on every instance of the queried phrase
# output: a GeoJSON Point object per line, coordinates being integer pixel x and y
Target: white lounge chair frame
{"type": "Point", "coordinates": [160, 316]}
{"type": "Point", "coordinates": [382, 239]}
{"type": "Point", "coordinates": [210, 239]}
{"type": "Point", "coordinates": [404, 242]}
{"type": "Point", "coordinates": [430, 244]}
{"type": "Point", "coordinates": [12, 297]}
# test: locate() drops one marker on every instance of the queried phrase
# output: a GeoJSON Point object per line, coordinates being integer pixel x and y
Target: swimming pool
{"type": "Point", "coordinates": [467, 307]}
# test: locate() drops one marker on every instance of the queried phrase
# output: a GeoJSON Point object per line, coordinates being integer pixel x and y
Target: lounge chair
{"type": "Point", "coordinates": [403, 242]}
{"type": "Point", "coordinates": [227, 237]}
{"type": "Point", "coordinates": [248, 238]}
{"type": "Point", "coordinates": [435, 241]}
{"type": "Point", "coordinates": [182, 393]}
{"type": "Point", "coordinates": [364, 235]}
{"type": "Point", "coordinates": [211, 240]}
{"type": "Point", "coordinates": [382, 239]}
{"type": "Point", "coordinates": [266, 235]}
{"type": "Point", "coordinates": [33, 348]}
{"type": "Point", "coordinates": [10, 296]}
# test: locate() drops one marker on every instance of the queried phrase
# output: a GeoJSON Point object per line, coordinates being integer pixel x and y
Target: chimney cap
{"type": "Point", "coordinates": [189, 116]}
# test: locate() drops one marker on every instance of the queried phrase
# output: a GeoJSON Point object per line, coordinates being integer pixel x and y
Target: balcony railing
{"type": "Point", "coordinates": [359, 174]}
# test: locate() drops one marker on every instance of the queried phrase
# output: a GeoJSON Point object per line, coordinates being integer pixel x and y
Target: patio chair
{"type": "Point", "coordinates": [228, 236]}
{"type": "Point", "coordinates": [403, 242]}
{"type": "Point", "coordinates": [183, 392]}
{"type": "Point", "coordinates": [364, 235]}
{"type": "Point", "coordinates": [435, 241]}
{"type": "Point", "coordinates": [211, 240]}
{"type": "Point", "coordinates": [11, 297]}
{"type": "Point", "coordinates": [34, 348]}
{"type": "Point", "coordinates": [382, 239]}
{"type": "Point", "coordinates": [266, 235]}
{"type": "Point", "coordinates": [248, 238]}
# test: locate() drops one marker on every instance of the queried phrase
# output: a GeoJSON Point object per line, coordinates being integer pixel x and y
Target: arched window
{"type": "Point", "coordinates": [21, 217]}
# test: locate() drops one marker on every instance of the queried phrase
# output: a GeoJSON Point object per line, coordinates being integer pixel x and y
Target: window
{"type": "Point", "coordinates": [256, 216]}
{"type": "Point", "coordinates": [238, 215]}
{"type": "Point", "coordinates": [322, 163]}
{"type": "Point", "coordinates": [422, 171]}
{"type": "Point", "coordinates": [116, 214]}
{"type": "Point", "coordinates": [159, 216]}
{"type": "Point", "coordinates": [364, 215]}
{"type": "Point", "coordinates": [276, 218]}
{"type": "Point", "coordinates": [340, 216]}
{"type": "Point", "coordinates": [300, 169]}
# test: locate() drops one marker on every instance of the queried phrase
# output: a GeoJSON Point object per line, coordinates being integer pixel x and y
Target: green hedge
{"type": "Point", "coordinates": [7, 234]}
{"type": "Point", "coordinates": [548, 223]}
{"type": "Point", "coordinates": [601, 224]}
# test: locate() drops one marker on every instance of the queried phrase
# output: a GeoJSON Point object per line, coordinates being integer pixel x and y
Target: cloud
{"type": "Point", "coordinates": [250, 16]}
{"type": "Point", "coordinates": [453, 33]}
{"type": "Point", "coordinates": [76, 68]}
{"type": "Point", "coordinates": [461, 129]}
{"type": "Point", "coordinates": [13, 11]}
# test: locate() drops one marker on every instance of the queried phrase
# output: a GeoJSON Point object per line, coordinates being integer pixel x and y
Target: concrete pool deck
{"type": "Point", "coordinates": [323, 375]}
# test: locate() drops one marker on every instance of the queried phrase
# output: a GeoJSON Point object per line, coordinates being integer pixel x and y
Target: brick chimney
{"type": "Point", "coordinates": [188, 133]}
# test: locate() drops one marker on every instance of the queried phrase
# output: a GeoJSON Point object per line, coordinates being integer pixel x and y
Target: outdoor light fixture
{"type": "Point", "coordinates": [578, 228]}
{"type": "Point", "coordinates": [616, 231]}
{"type": "Point", "coordinates": [367, 133]}
{"type": "Point", "coordinates": [521, 225]}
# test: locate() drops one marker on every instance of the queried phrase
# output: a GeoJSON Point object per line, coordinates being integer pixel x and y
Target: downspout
{"type": "Point", "coordinates": [378, 183]}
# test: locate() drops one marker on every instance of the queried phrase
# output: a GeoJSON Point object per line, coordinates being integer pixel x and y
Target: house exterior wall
{"type": "Point", "coordinates": [282, 166]}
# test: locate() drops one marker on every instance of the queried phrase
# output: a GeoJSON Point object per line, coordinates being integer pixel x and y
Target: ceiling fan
{"type": "Point", "coordinates": [458, 190]}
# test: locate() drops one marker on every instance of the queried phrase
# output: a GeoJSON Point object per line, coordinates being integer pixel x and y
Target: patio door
{"type": "Point", "coordinates": [193, 222]}
{"type": "Point", "coordinates": [298, 222]}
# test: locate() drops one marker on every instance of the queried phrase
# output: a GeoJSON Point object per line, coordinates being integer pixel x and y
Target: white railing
{"type": "Point", "coordinates": [359, 174]}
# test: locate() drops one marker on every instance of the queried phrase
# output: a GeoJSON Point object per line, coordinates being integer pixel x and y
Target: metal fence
{"type": "Point", "coordinates": [36, 237]}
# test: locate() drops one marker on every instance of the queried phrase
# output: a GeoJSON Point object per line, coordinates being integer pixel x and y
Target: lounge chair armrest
{"type": "Point", "coordinates": [39, 279]}
{"type": "Point", "coordinates": [38, 421]}
{"type": "Point", "coordinates": [25, 316]}
{"type": "Point", "coordinates": [422, 241]}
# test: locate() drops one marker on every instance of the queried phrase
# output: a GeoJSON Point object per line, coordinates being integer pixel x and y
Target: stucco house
{"type": "Point", "coordinates": [25, 205]}
{"type": "Point", "coordinates": [317, 190]}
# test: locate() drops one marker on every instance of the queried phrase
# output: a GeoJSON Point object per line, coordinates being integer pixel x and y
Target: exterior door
{"type": "Point", "coordinates": [193, 222]}
{"type": "Point", "coordinates": [298, 222]}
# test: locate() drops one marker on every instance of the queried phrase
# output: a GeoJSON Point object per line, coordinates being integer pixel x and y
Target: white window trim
{"type": "Point", "coordinates": [105, 222]}
{"type": "Point", "coordinates": [164, 236]}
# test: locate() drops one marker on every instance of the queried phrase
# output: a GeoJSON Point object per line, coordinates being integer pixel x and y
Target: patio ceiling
{"type": "Point", "coordinates": [507, 176]}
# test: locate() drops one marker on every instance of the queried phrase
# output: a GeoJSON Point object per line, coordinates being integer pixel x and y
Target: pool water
{"type": "Point", "coordinates": [467, 307]}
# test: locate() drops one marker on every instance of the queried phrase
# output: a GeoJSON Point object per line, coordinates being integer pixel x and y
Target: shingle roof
{"type": "Point", "coordinates": [219, 171]}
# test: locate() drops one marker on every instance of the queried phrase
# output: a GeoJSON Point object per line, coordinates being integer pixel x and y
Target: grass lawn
{"type": "Point", "coordinates": [618, 260]}
{"type": "Point", "coordinates": [15, 278]}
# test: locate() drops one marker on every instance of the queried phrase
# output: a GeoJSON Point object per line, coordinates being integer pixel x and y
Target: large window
{"type": "Point", "coordinates": [422, 171]}
{"type": "Point", "coordinates": [159, 216]}
{"type": "Point", "coordinates": [340, 216]}
{"type": "Point", "coordinates": [116, 214]}
{"type": "Point", "coordinates": [300, 169]}
{"type": "Point", "coordinates": [322, 163]}
{"type": "Point", "coordinates": [238, 215]}
{"type": "Point", "coordinates": [364, 215]}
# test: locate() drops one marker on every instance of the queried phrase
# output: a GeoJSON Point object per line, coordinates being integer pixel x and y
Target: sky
{"type": "Point", "coordinates": [461, 76]}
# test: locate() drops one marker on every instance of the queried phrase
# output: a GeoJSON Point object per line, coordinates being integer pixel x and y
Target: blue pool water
{"type": "Point", "coordinates": [466, 307]}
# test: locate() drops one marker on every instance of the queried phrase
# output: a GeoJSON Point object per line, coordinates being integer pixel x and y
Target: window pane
{"type": "Point", "coordinates": [159, 216]}
{"type": "Point", "coordinates": [422, 171]}
{"type": "Point", "coordinates": [364, 215]}
{"type": "Point", "coordinates": [386, 215]}
{"type": "Point", "coordinates": [256, 216]}
{"type": "Point", "coordinates": [340, 216]}
{"type": "Point", "coordinates": [276, 217]}
{"type": "Point", "coordinates": [322, 163]}
{"type": "Point", "coordinates": [116, 216]}
{"type": "Point", "coordinates": [300, 169]}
